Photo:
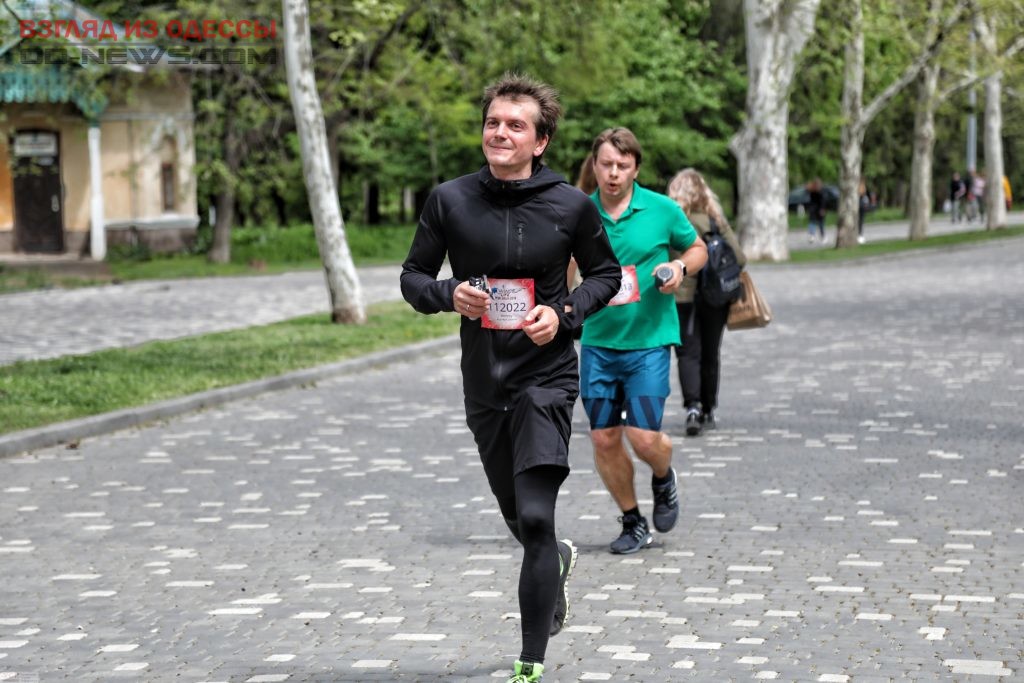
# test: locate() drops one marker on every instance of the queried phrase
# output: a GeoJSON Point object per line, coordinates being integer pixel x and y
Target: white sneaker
{"type": "Point", "coordinates": [860, 239]}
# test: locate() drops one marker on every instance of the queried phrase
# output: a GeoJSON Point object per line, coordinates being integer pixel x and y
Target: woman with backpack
{"type": "Point", "coordinates": [702, 316]}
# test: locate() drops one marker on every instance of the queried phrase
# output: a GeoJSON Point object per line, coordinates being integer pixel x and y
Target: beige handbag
{"type": "Point", "coordinates": [750, 310]}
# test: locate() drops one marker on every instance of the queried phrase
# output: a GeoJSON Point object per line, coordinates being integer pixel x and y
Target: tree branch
{"type": "Point", "coordinates": [911, 72]}
{"type": "Point", "coordinates": [969, 80]}
{"type": "Point", "coordinates": [371, 56]}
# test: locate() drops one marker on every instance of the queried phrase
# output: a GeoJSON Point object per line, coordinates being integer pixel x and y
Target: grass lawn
{"type": "Point", "coordinates": [21, 279]}
{"type": "Point", "coordinates": [34, 393]}
{"type": "Point", "coordinates": [900, 245]}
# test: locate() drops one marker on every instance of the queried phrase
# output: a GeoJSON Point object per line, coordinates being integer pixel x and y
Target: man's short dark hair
{"type": "Point", "coordinates": [514, 87]}
{"type": "Point", "coordinates": [621, 139]}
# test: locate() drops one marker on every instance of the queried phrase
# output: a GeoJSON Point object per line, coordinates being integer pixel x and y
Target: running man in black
{"type": "Point", "coordinates": [511, 228]}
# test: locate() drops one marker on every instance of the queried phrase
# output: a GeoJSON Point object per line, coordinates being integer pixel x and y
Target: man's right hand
{"type": "Point", "coordinates": [470, 301]}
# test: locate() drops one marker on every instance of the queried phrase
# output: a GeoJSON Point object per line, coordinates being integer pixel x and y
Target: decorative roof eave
{"type": "Point", "coordinates": [50, 85]}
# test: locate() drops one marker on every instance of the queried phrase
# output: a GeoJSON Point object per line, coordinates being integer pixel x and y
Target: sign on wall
{"type": "Point", "coordinates": [38, 144]}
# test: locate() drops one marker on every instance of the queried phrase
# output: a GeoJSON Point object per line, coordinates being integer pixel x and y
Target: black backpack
{"type": "Point", "coordinates": [718, 283]}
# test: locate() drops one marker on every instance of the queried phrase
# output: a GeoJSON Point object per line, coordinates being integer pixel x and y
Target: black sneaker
{"type": "Point", "coordinates": [567, 555]}
{"type": "Point", "coordinates": [707, 420]}
{"type": "Point", "coordinates": [693, 425]}
{"type": "Point", "coordinates": [635, 535]}
{"type": "Point", "coordinates": [666, 504]}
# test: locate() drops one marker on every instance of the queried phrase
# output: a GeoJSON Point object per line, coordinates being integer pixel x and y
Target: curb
{"type": "Point", "coordinates": [62, 432]}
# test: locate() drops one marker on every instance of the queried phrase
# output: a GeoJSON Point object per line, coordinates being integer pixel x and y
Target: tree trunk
{"type": "Point", "coordinates": [924, 147]}
{"type": "Point", "coordinates": [220, 250]}
{"type": "Point", "coordinates": [851, 137]}
{"type": "Point", "coordinates": [346, 297]}
{"type": "Point", "coordinates": [776, 34]}
{"type": "Point", "coordinates": [371, 203]}
{"type": "Point", "coordinates": [419, 201]}
{"type": "Point", "coordinates": [995, 206]}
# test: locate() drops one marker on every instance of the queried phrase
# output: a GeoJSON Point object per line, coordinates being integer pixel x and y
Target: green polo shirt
{"type": "Point", "coordinates": [641, 237]}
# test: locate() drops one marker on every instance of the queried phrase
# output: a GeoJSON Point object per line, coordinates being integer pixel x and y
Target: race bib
{"type": "Point", "coordinates": [629, 290]}
{"type": "Point", "coordinates": [511, 300]}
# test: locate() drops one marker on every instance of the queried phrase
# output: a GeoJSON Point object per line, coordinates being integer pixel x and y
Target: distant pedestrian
{"type": "Point", "coordinates": [865, 203]}
{"type": "Point", "coordinates": [976, 195]}
{"type": "Point", "coordinates": [701, 324]}
{"type": "Point", "coordinates": [957, 197]}
{"type": "Point", "coordinates": [816, 210]}
{"type": "Point", "coordinates": [979, 186]}
{"type": "Point", "coordinates": [1007, 193]}
{"type": "Point", "coordinates": [519, 365]}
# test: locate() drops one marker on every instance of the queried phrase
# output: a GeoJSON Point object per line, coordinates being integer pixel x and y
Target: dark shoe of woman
{"type": "Point", "coordinates": [693, 425]}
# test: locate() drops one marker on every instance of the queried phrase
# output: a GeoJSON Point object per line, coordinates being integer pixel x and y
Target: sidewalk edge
{"type": "Point", "coordinates": [15, 443]}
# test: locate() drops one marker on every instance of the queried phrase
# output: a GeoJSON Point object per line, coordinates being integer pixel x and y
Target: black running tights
{"type": "Point", "coordinates": [533, 508]}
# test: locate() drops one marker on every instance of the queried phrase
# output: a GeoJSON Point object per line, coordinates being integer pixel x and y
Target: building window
{"type": "Point", "coordinates": [167, 186]}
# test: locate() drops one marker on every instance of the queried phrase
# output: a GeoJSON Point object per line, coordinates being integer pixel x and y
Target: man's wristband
{"type": "Point", "coordinates": [681, 265]}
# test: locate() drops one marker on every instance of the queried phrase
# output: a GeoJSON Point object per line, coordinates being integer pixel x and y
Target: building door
{"type": "Point", "coordinates": [38, 199]}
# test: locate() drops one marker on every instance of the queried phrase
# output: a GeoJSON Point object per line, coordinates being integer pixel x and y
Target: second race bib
{"type": "Point", "coordinates": [629, 290]}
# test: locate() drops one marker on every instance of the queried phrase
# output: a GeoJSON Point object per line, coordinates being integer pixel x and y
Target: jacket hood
{"type": "Point", "coordinates": [517, 191]}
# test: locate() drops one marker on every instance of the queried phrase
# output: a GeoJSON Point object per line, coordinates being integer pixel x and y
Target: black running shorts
{"type": "Point", "coordinates": [535, 431]}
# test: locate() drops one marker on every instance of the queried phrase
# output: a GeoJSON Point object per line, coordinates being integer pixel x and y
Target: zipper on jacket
{"type": "Point", "coordinates": [519, 245]}
{"type": "Point", "coordinates": [500, 342]}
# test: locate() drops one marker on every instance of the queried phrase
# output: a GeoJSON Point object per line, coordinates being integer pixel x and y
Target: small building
{"type": "Point", "coordinates": [82, 166]}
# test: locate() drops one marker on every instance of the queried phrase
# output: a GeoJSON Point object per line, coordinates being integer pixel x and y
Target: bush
{"type": "Point", "coordinates": [274, 245]}
{"type": "Point", "coordinates": [298, 243]}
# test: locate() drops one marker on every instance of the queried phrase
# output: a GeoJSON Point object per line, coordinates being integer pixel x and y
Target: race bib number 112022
{"type": "Point", "coordinates": [511, 300]}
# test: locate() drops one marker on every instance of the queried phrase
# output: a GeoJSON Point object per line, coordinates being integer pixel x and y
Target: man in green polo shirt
{"type": "Point", "coordinates": [625, 361]}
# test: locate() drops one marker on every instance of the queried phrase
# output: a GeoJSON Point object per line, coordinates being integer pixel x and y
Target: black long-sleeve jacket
{"type": "Point", "coordinates": [512, 229]}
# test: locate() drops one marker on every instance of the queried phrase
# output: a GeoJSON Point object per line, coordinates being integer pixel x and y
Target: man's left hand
{"type": "Point", "coordinates": [677, 277]}
{"type": "Point", "coordinates": [541, 325]}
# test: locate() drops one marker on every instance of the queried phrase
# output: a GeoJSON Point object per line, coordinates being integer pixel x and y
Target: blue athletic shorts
{"type": "Point", "coordinates": [614, 381]}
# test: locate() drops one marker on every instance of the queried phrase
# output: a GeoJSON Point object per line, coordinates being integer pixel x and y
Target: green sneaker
{"type": "Point", "coordinates": [567, 555]}
{"type": "Point", "coordinates": [527, 672]}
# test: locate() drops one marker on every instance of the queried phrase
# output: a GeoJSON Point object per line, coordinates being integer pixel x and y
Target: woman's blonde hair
{"type": "Point", "coordinates": [689, 189]}
{"type": "Point", "coordinates": [587, 181]}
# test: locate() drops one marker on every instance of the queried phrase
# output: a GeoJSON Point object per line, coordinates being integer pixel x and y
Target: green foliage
{"type": "Point", "coordinates": [682, 96]}
{"type": "Point", "coordinates": [297, 244]}
{"type": "Point", "coordinates": [401, 81]}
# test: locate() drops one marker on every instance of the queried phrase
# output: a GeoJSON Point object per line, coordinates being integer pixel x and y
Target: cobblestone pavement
{"type": "Point", "coordinates": [51, 323]}
{"type": "Point", "coordinates": [857, 517]}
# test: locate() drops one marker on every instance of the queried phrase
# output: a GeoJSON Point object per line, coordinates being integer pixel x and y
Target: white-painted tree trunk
{"type": "Point", "coordinates": [851, 136]}
{"type": "Point", "coordinates": [921, 200]}
{"type": "Point", "coordinates": [777, 31]}
{"type": "Point", "coordinates": [995, 205]}
{"type": "Point", "coordinates": [346, 297]}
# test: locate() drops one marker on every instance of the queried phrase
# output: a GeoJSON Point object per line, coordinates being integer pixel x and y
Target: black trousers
{"type": "Point", "coordinates": [698, 359]}
{"type": "Point", "coordinates": [525, 452]}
